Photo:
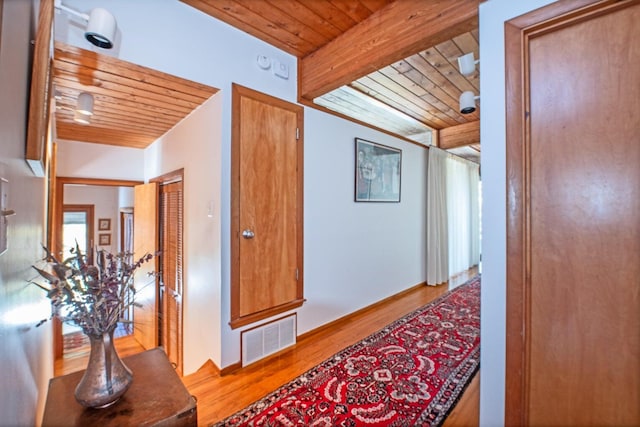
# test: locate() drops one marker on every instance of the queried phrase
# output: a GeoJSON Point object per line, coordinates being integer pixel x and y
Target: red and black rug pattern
{"type": "Point", "coordinates": [411, 373]}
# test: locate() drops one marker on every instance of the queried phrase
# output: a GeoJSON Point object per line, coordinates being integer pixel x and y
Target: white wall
{"type": "Point", "coordinates": [86, 160]}
{"type": "Point", "coordinates": [25, 351]}
{"type": "Point", "coordinates": [356, 253]}
{"type": "Point", "coordinates": [195, 145]}
{"type": "Point", "coordinates": [493, 14]}
{"type": "Point", "coordinates": [381, 244]}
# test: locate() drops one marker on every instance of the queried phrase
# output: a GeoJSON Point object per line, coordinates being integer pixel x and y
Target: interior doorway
{"type": "Point", "coordinates": [79, 211]}
{"type": "Point", "coordinates": [77, 232]}
{"type": "Point", "coordinates": [77, 228]}
{"type": "Point", "coordinates": [171, 287]}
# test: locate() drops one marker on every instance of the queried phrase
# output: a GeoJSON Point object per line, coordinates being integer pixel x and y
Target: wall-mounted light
{"type": "Point", "coordinates": [467, 64]}
{"type": "Point", "coordinates": [101, 25]}
{"type": "Point", "coordinates": [468, 102]}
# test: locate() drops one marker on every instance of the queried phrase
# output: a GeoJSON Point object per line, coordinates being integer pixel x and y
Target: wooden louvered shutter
{"type": "Point", "coordinates": [171, 217]}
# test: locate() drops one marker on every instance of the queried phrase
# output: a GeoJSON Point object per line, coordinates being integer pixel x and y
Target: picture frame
{"type": "Point", "coordinates": [378, 172]}
{"type": "Point", "coordinates": [104, 239]}
{"type": "Point", "coordinates": [104, 224]}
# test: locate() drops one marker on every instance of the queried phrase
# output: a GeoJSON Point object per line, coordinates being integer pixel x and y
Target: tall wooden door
{"type": "Point", "coordinates": [267, 155]}
{"type": "Point", "coordinates": [145, 240]}
{"type": "Point", "coordinates": [573, 170]}
{"type": "Point", "coordinates": [171, 287]}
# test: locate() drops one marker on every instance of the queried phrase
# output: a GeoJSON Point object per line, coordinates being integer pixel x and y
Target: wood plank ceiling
{"type": "Point", "coordinates": [365, 60]}
{"type": "Point", "coordinates": [133, 105]}
{"type": "Point", "coordinates": [409, 97]}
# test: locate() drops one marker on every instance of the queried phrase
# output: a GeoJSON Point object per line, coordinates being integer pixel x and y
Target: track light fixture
{"type": "Point", "coordinates": [467, 64]}
{"type": "Point", "coordinates": [468, 102]}
{"type": "Point", "coordinates": [101, 25]}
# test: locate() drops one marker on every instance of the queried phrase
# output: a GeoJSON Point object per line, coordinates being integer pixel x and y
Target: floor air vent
{"type": "Point", "coordinates": [267, 339]}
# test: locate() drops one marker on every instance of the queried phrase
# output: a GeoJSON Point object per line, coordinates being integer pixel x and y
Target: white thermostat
{"type": "Point", "coordinates": [264, 62]}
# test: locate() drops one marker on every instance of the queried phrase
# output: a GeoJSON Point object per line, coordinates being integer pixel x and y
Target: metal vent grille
{"type": "Point", "coordinates": [262, 341]}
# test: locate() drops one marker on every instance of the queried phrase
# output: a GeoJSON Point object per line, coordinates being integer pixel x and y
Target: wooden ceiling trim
{"type": "Point", "coordinates": [389, 35]}
{"type": "Point", "coordinates": [38, 114]}
{"type": "Point", "coordinates": [460, 135]}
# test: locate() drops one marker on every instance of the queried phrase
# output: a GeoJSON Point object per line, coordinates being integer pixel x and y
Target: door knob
{"type": "Point", "coordinates": [248, 234]}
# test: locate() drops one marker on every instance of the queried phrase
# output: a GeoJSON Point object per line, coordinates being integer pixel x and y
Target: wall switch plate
{"type": "Point", "coordinates": [281, 70]}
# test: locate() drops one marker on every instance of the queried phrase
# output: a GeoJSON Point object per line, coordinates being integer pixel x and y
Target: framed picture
{"type": "Point", "coordinates": [104, 239]}
{"type": "Point", "coordinates": [104, 224]}
{"type": "Point", "coordinates": [378, 172]}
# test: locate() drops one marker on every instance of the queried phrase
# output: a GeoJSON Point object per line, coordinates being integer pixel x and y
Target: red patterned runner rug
{"type": "Point", "coordinates": [411, 373]}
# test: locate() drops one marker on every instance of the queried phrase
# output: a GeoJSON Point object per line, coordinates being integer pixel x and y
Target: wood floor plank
{"type": "Point", "coordinates": [221, 395]}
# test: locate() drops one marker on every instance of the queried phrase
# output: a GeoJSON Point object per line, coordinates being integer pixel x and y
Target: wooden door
{"type": "Point", "coordinates": [171, 289]}
{"type": "Point", "coordinates": [573, 170]}
{"type": "Point", "coordinates": [145, 241]}
{"type": "Point", "coordinates": [266, 206]}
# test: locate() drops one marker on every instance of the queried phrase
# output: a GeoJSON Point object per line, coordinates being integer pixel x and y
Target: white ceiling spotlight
{"type": "Point", "coordinates": [84, 108]}
{"type": "Point", "coordinates": [468, 102]}
{"type": "Point", "coordinates": [84, 104]}
{"type": "Point", "coordinates": [467, 64]}
{"type": "Point", "coordinates": [101, 25]}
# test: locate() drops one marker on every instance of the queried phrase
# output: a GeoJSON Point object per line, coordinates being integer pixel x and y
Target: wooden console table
{"type": "Point", "coordinates": [157, 397]}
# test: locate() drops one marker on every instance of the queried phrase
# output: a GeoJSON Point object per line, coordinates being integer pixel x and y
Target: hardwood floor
{"type": "Point", "coordinates": [219, 396]}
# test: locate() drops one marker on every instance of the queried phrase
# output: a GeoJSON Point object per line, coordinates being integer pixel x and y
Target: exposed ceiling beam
{"type": "Point", "coordinates": [459, 136]}
{"type": "Point", "coordinates": [395, 32]}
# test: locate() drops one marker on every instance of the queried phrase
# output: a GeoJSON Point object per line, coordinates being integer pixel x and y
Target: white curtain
{"type": "Point", "coordinates": [437, 247]}
{"type": "Point", "coordinates": [453, 215]}
{"type": "Point", "coordinates": [462, 214]}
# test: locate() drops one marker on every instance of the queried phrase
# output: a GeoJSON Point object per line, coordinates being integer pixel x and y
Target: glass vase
{"type": "Point", "coordinates": [106, 378]}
